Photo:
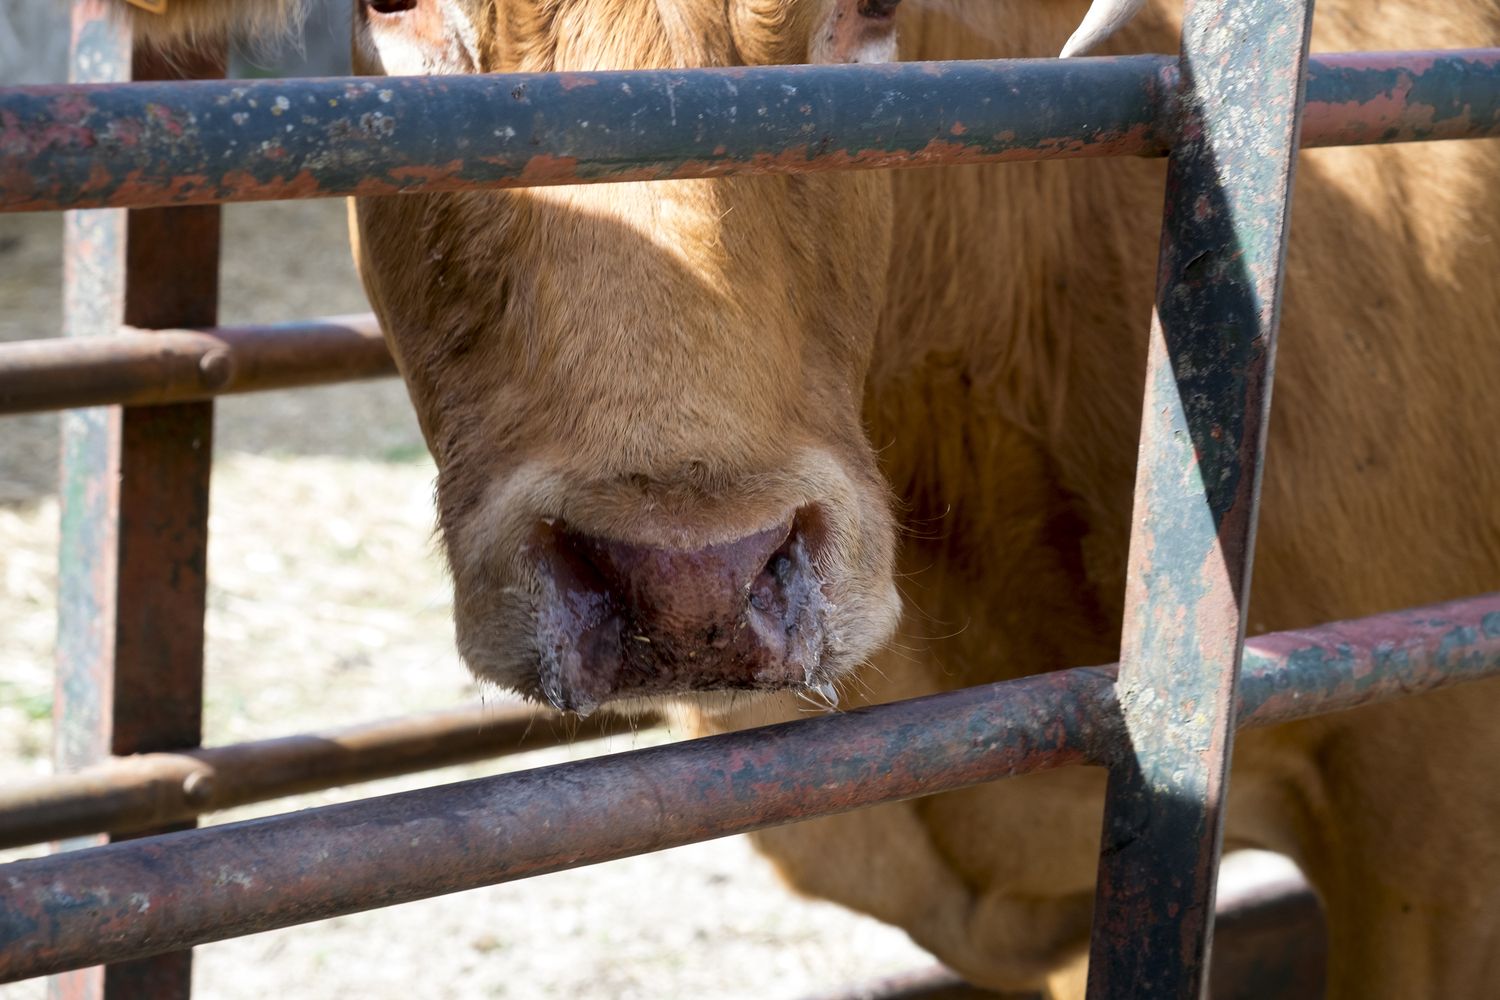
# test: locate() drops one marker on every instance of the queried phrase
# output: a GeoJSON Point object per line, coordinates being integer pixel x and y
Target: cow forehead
{"type": "Point", "coordinates": [544, 35]}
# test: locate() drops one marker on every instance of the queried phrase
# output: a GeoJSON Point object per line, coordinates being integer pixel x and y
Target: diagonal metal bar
{"type": "Point", "coordinates": [1208, 383]}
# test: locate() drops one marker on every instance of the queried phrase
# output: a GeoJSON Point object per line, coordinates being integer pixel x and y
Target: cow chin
{"type": "Point", "coordinates": [584, 597]}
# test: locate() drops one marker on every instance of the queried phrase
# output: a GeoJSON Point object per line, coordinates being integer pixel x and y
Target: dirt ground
{"type": "Point", "coordinates": [328, 606]}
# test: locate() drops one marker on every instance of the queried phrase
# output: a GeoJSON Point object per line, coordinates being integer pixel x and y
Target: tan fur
{"type": "Point", "coordinates": [682, 362]}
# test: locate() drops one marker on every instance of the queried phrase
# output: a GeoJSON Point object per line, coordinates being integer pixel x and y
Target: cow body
{"type": "Point", "coordinates": [1005, 395]}
{"type": "Point", "coordinates": [665, 370]}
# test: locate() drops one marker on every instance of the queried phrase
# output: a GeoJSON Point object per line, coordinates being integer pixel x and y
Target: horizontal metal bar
{"type": "Point", "coordinates": [1358, 98]}
{"type": "Point", "coordinates": [71, 147]}
{"type": "Point", "coordinates": [161, 893]}
{"type": "Point", "coordinates": [194, 143]}
{"type": "Point", "coordinates": [138, 368]}
{"type": "Point", "coordinates": [1348, 664]}
{"type": "Point", "coordinates": [149, 790]}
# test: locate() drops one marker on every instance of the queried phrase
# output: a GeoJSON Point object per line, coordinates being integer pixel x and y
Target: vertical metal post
{"type": "Point", "coordinates": [134, 490]}
{"type": "Point", "coordinates": [1208, 386]}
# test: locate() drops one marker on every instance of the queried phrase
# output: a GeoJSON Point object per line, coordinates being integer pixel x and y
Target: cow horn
{"type": "Point", "coordinates": [1104, 18]}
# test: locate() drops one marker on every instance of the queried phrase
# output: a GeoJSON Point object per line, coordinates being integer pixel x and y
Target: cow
{"type": "Point", "coordinates": [759, 446]}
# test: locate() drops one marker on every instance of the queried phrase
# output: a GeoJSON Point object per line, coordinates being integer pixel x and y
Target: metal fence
{"type": "Point", "coordinates": [142, 287]}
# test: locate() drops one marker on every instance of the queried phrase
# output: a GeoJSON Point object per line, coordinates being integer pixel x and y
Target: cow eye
{"type": "Point", "coordinates": [390, 6]}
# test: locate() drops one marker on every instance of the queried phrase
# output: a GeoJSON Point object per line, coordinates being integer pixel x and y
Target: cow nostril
{"type": "Point", "coordinates": [762, 593]}
{"type": "Point", "coordinates": [780, 567]}
{"type": "Point", "coordinates": [774, 584]}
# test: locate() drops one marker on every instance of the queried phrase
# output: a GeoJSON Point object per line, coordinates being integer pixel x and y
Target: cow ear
{"type": "Point", "coordinates": [167, 21]}
{"type": "Point", "coordinates": [416, 37]}
{"type": "Point", "coordinates": [767, 32]}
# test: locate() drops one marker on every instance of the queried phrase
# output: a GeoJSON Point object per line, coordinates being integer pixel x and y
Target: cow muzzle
{"type": "Point", "coordinates": [616, 620]}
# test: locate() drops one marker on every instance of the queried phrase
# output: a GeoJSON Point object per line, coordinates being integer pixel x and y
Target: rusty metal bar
{"type": "Point", "coordinates": [1366, 660]}
{"type": "Point", "coordinates": [1208, 389]}
{"type": "Point", "coordinates": [134, 490]}
{"type": "Point", "coordinates": [203, 885]}
{"type": "Point", "coordinates": [1285, 676]}
{"type": "Point", "coordinates": [1358, 98]}
{"type": "Point", "coordinates": [128, 794]}
{"type": "Point", "coordinates": [313, 138]}
{"type": "Point", "coordinates": [181, 889]}
{"type": "Point", "coordinates": [71, 147]}
{"type": "Point", "coordinates": [137, 368]}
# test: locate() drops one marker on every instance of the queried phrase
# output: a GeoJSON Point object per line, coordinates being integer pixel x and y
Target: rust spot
{"type": "Point", "coordinates": [545, 168]}
{"type": "Point", "coordinates": [303, 184]}
{"type": "Point", "coordinates": [423, 177]}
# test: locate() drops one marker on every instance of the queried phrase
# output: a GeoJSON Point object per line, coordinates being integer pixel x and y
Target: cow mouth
{"type": "Point", "coordinates": [617, 622]}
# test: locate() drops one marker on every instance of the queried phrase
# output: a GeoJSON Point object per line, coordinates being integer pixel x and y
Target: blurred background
{"type": "Point", "coordinates": [328, 605]}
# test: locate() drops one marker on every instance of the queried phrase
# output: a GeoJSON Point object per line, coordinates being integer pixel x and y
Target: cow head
{"type": "Point", "coordinates": [644, 398]}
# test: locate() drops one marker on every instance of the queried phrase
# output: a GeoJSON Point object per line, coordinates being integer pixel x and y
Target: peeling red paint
{"type": "Point", "coordinates": [181, 189]}
{"type": "Point", "coordinates": [423, 177]}
{"type": "Point", "coordinates": [1416, 62]}
{"type": "Point", "coordinates": [300, 185]}
{"type": "Point", "coordinates": [370, 187]}
{"type": "Point", "coordinates": [548, 169]}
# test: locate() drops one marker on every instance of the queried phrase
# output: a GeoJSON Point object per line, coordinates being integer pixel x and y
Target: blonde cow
{"type": "Point", "coordinates": [692, 434]}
